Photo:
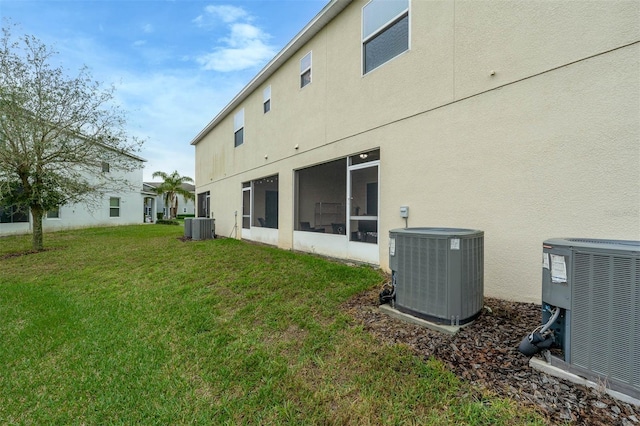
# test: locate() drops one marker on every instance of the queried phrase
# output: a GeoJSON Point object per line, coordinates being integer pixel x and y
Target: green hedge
{"type": "Point", "coordinates": [167, 222]}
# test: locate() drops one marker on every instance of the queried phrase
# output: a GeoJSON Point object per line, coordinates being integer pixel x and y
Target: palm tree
{"type": "Point", "coordinates": [171, 188]}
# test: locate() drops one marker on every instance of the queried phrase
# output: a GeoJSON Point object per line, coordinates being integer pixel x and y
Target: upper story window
{"type": "Point", "coordinates": [266, 99]}
{"type": "Point", "coordinates": [305, 70]}
{"type": "Point", "coordinates": [385, 31]}
{"type": "Point", "coordinates": [105, 167]}
{"type": "Point", "coordinates": [238, 128]}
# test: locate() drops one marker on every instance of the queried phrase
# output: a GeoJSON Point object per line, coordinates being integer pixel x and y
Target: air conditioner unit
{"type": "Point", "coordinates": [202, 228]}
{"type": "Point", "coordinates": [438, 273]}
{"type": "Point", "coordinates": [187, 227]}
{"type": "Point", "coordinates": [596, 286]}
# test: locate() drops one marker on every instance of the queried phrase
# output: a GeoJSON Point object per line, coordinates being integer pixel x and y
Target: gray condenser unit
{"type": "Point", "coordinates": [202, 228]}
{"type": "Point", "coordinates": [187, 227]}
{"type": "Point", "coordinates": [595, 284]}
{"type": "Point", "coordinates": [438, 273]}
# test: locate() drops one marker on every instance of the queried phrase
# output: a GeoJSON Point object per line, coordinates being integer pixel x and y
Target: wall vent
{"type": "Point", "coordinates": [596, 284]}
{"type": "Point", "coordinates": [438, 273]}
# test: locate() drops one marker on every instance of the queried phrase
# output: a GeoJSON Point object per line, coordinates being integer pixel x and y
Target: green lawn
{"type": "Point", "coordinates": [130, 325]}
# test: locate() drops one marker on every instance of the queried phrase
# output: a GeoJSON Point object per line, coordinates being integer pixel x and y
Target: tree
{"type": "Point", "coordinates": [56, 133]}
{"type": "Point", "coordinates": [171, 188]}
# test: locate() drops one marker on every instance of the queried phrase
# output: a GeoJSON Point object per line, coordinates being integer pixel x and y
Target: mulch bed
{"type": "Point", "coordinates": [486, 353]}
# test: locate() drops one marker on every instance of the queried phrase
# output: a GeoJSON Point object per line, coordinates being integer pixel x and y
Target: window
{"type": "Point", "coordinates": [305, 70]}
{"type": "Point", "coordinates": [114, 207]}
{"type": "Point", "coordinates": [13, 214]}
{"type": "Point", "coordinates": [385, 31]}
{"type": "Point", "coordinates": [54, 213]}
{"type": "Point", "coordinates": [238, 128]}
{"type": "Point", "coordinates": [266, 99]}
{"type": "Point", "coordinates": [105, 167]}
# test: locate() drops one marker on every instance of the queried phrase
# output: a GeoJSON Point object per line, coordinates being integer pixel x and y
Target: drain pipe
{"type": "Point", "coordinates": [536, 341]}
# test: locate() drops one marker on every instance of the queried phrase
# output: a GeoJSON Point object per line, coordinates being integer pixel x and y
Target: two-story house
{"type": "Point", "coordinates": [122, 206]}
{"type": "Point", "coordinates": [520, 119]}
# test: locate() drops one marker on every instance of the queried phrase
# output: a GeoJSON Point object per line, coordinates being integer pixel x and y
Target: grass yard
{"type": "Point", "coordinates": [130, 325]}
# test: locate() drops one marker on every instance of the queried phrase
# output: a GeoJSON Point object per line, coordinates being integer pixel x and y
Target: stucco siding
{"type": "Point", "coordinates": [521, 119]}
{"type": "Point", "coordinates": [523, 168]}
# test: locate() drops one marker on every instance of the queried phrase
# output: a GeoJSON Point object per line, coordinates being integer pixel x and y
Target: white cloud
{"type": "Point", "coordinates": [147, 28]}
{"type": "Point", "coordinates": [224, 13]}
{"type": "Point", "coordinates": [243, 33]}
{"type": "Point", "coordinates": [245, 46]}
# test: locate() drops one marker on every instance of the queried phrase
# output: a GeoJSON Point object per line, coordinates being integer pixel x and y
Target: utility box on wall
{"type": "Point", "coordinates": [438, 273]}
{"type": "Point", "coordinates": [596, 286]}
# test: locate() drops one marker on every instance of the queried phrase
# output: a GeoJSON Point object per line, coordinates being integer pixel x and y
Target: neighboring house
{"type": "Point", "coordinates": [117, 208]}
{"type": "Point", "coordinates": [521, 119]}
{"type": "Point", "coordinates": [185, 207]}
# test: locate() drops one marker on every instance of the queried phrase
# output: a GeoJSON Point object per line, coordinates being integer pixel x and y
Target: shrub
{"type": "Point", "coordinates": [167, 222]}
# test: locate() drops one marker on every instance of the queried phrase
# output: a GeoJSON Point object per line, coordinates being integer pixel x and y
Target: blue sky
{"type": "Point", "coordinates": [175, 64]}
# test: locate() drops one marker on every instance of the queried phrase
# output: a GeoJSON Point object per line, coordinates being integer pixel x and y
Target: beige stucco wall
{"type": "Point", "coordinates": [547, 146]}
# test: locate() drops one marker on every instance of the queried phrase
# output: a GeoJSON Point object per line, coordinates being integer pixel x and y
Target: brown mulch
{"type": "Point", "coordinates": [24, 253]}
{"type": "Point", "coordinates": [486, 353]}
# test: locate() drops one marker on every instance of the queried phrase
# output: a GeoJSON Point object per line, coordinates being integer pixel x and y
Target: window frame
{"type": "Point", "coordinates": [13, 214]}
{"type": "Point", "coordinates": [105, 167]}
{"type": "Point", "coordinates": [238, 128]}
{"type": "Point", "coordinates": [304, 70]}
{"type": "Point", "coordinates": [380, 30]}
{"type": "Point", "coordinates": [113, 208]}
{"type": "Point", "coordinates": [53, 213]}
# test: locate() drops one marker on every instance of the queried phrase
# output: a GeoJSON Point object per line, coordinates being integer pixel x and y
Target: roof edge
{"type": "Point", "coordinates": [328, 12]}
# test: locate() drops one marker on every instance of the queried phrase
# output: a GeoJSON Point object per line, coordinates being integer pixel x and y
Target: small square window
{"type": "Point", "coordinates": [267, 106]}
{"type": "Point", "coordinates": [305, 70]}
{"type": "Point", "coordinates": [105, 167]}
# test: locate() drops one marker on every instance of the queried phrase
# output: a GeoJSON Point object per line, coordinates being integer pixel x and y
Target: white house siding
{"type": "Point", "coordinates": [84, 215]}
{"type": "Point", "coordinates": [520, 119]}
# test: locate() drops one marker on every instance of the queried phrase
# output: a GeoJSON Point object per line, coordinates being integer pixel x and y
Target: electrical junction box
{"type": "Point", "coordinates": [404, 211]}
{"type": "Point", "coordinates": [438, 273]}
